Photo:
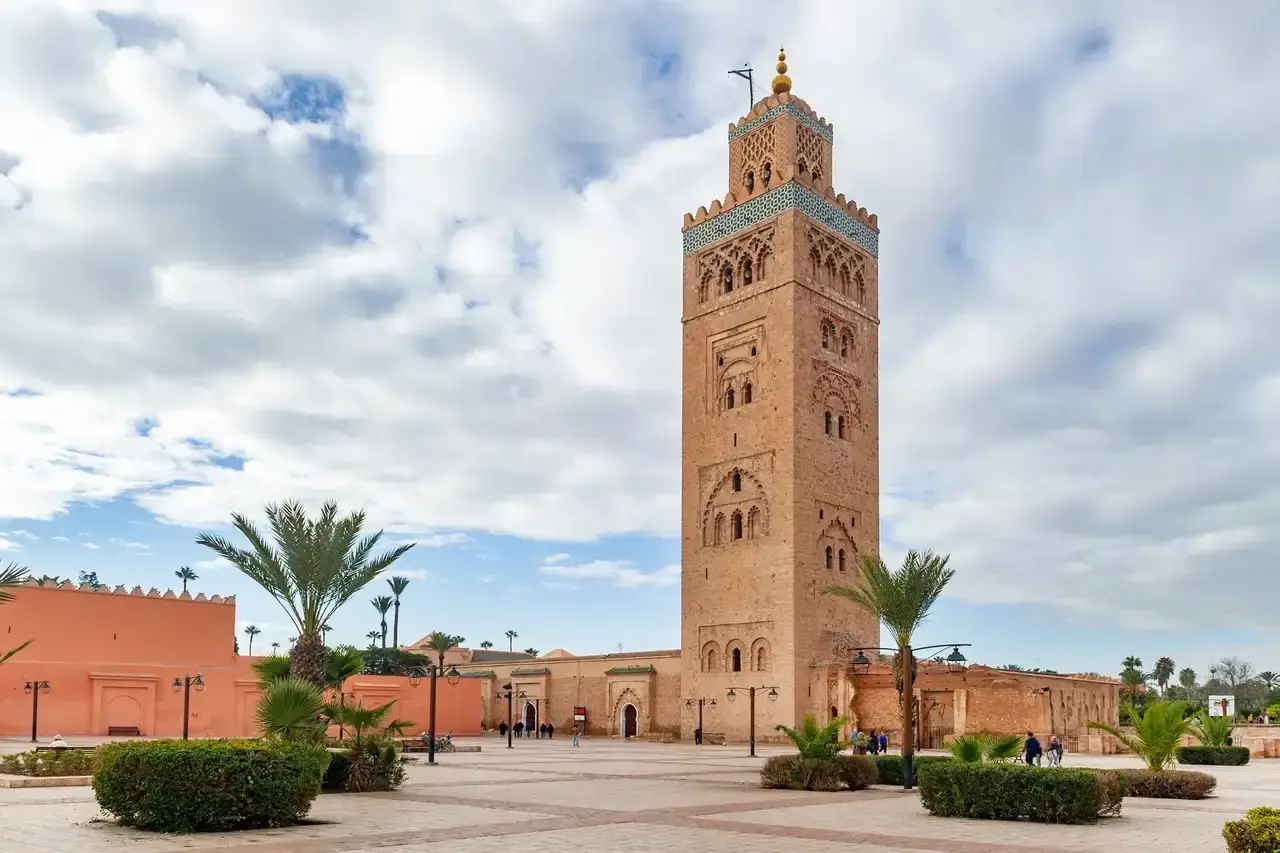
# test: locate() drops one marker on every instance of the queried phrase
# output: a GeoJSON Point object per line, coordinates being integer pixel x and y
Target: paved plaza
{"type": "Point", "coordinates": [544, 795]}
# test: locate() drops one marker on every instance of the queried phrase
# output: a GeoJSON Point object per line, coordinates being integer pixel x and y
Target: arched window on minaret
{"type": "Point", "coordinates": [840, 427]}
{"type": "Point", "coordinates": [726, 275]}
{"type": "Point", "coordinates": [728, 399]}
{"type": "Point", "coordinates": [750, 181]}
{"type": "Point", "coordinates": [737, 481]}
{"type": "Point", "coordinates": [828, 555]}
{"type": "Point", "coordinates": [753, 522]}
{"type": "Point", "coordinates": [737, 525]}
{"type": "Point", "coordinates": [766, 172]}
{"type": "Point", "coordinates": [721, 529]}
{"type": "Point", "coordinates": [746, 271]}
{"type": "Point", "coordinates": [826, 336]}
{"type": "Point", "coordinates": [860, 284]}
{"type": "Point", "coordinates": [737, 660]}
{"type": "Point", "coordinates": [844, 280]}
{"type": "Point", "coordinates": [815, 265]}
{"type": "Point", "coordinates": [762, 268]}
{"type": "Point", "coordinates": [844, 345]}
{"type": "Point", "coordinates": [746, 394]}
{"type": "Point", "coordinates": [842, 559]}
{"type": "Point", "coordinates": [827, 423]}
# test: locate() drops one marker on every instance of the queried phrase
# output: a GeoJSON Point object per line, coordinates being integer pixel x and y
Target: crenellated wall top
{"type": "Point", "coordinates": [767, 109]}
{"type": "Point", "coordinates": [137, 591]}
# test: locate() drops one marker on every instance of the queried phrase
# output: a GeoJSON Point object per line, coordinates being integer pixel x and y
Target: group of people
{"type": "Point", "coordinates": [1032, 751]}
{"type": "Point", "coordinates": [877, 743]}
{"type": "Point", "coordinates": [544, 730]}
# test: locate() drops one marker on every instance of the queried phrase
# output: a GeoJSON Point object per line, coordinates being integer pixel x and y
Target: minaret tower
{"type": "Point", "coordinates": [780, 458]}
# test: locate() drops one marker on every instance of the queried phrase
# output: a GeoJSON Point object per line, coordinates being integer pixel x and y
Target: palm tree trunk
{"type": "Point", "coordinates": [395, 629]}
{"type": "Point", "coordinates": [309, 659]}
{"type": "Point", "coordinates": [908, 707]}
{"type": "Point", "coordinates": [250, 645]}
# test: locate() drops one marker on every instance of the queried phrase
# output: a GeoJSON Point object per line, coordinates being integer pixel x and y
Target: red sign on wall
{"type": "Point", "coordinates": [579, 712]}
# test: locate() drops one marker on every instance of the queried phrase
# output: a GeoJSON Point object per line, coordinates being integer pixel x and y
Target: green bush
{"type": "Point", "coordinates": [1017, 792]}
{"type": "Point", "coordinates": [798, 773]}
{"type": "Point", "coordinates": [890, 766]}
{"type": "Point", "coordinates": [1166, 784]}
{"type": "Point", "coordinates": [858, 771]}
{"type": "Point", "coordinates": [71, 762]}
{"type": "Point", "coordinates": [1257, 832]}
{"type": "Point", "coordinates": [1229, 756]}
{"type": "Point", "coordinates": [208, 785]}
{"type": "Point", "coordinates": [338, 771]}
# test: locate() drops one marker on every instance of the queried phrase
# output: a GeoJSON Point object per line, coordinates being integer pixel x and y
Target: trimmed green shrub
{"type": "Point", "coordinates": [71, 762]}
{"type": "Point", "coordinates": [338, 771]}
{"type": "Point", "coordinates": [798, 773]}
{"type": "Point", "coordinates": [858, 771]}
{"type": "Point", "coordinates": [890, 766]}
{"type": "Point", "coordinates": [1166, 784]}
{"type": "Point", "coordinates": [1257, 832]}
{"type": "Point", "coordinates": [207, 785]}
{"type": "Point", "coordinates": [1226, 756]}
{"type": "Point", "coordinates": [1017, 792]}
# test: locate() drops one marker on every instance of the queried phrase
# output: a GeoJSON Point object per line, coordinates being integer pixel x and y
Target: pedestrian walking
{"type": "Point", "coordinates": [551, 730]}
{"type": "Point", "coordinates": [575, 735]}
{"type": "Point", "coordinates": [1031, 749]}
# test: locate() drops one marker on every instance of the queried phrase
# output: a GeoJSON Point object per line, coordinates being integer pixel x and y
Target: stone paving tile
{"type": "Point", "coordinates": [624, 794]}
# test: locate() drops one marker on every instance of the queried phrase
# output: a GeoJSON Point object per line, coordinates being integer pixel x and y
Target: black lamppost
{"type": "Point", "coordinates": [773, 697]}
{"type": "Point", "coordinates": [185, 684]}
{"type": "Point", "coordinates": [342, 704]}
{"type": "Point", "coordinates": [955, 664]}
{"type": "Point", "coordinates": [509, 694]}
{"type": "Point", "coordinates": [34, 689]}
{"type": "Point", "coordinates": [689, 704]}
{"type": "Point", "coordinates": [432, 672]}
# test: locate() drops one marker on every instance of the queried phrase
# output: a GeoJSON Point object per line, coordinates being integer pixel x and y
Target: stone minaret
{"type": "Point", "coordinates": [780, 424]}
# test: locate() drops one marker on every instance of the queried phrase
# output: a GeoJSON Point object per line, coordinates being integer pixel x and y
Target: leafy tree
{"type": "Point", "coordinates": [1212, 731]}
{"type": "Point", "coordinates": [382, 604]}
{"type": "Point", "coordinates": [1163, 672]}
{"type": "Point", "coordinates": [312, 568]}
{"type": "Point", "coordinates": [486, 645]}
{"type": "Point", "coordinates": [814, 741]}
{"type": "Point", "coordinates": [531, 652]}
{"type": "Point", "coordinates": [1132, 662]}
{"type": "Point", "coordinates": [392, 661]}
{"type": "Point", "coordinates": [11, 576]}
{"type": "Point", "coordinates": [251, 631]}
{"type": "Point", "coordinates": [398, 585]}
{"type": "Point", "coordinates": [362, 721]}
{"type": "Point", "coordinates": [1234, 671]}
{"type": "Point", "coordinates": [90, 579]}
{"type": "Point", "coordinates": [51, 580]}
{"type": "Point", "coordinates": [1134, 681]}
{"type": "Point", "coordinates": [901, 599]}
{"type": "Point", "coordinates": [185, 574]}
{"type": "Point", "coordinates": [340, 664]}
{"type": "Point", "coordinates": [1158, 732]}
{"type": "Point", "coordinates": [985, 746]}
{"type": "Point", "coordinates": [1013, 667]}
{"type": "Point", "coordinates": [511, 636]}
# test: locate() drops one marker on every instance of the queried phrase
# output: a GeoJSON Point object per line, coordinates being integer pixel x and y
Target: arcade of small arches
{"type": "Point", "coordinates": [746, 261]}
{"type": "Point", "coordinates": [833, 266]}
{"type": "Point", "coordinates": [742, 511]}
{"type": "Point", "coordinates": [840, 343]}
{"type": "Point", "coordinates": [766, 176]}
{"type": "Point", "coordinates": [736, 656]}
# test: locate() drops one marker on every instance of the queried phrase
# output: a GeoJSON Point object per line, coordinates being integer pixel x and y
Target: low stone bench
{"type": "Point", "coordinates": [713, 738]}
{"type": "Point", "coordinates": [659, 737]}
{"type": "Point", "coordinates": [123, 731]}
{"type": "Point", "coordinates": [65, 748]}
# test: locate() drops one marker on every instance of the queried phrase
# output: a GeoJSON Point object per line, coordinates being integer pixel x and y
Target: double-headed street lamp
{"type": "Point", "coordinates": [751, 691]}
{"type": "Point", "coordinates": [509, 694]}
{"type": "Point", "coordinates": [34, 689]}
{"type": "Point", "coordinates": [689, 704]}
{"type": "Point", "coordinates": [955, 664]}
{"type": "Point", "coordinates": [185, 684]}
{"type": "Point", "coordinates": [432, 672]}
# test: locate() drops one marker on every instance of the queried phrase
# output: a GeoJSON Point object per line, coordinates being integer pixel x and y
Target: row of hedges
{"type": "Point", "coordinates": [889, 767]}
{"type": "Point", "coordinates": [1226, 756]}
{"type": "Point", "coordinates": [795, 772]}
{"type": "Point", "coordinates": [1018, 792]}
{"type": "Point", "coordinates": [1257, 832]}
{"type": "Point", "coordinates": [209, 785]}
{"type": "Point", "coordinates": [70, 762]}
{"type": "Point", "coordinates": [1165, 784]}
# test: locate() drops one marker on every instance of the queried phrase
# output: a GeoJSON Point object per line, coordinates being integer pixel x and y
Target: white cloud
{"type": "Point", "coordinates": [619, 572]}
{"type": "Point", "coordinates": [7, 544]}
{"type": "Point", "coordinates": [20, 534]}
{"type": "Point", "coordinates": [412, 574]}
{"type": "Point", "coordinates": [1083, 387]}
{"type": "Point", "coordinates": [90, 545]}
{"type": "Point", "coordinates": [214, 563]}
{"type": "Point", "coordinates": [486, 579]}
{"type": "Point", "coordinates": [433, 540]}
{"type": "Point", "coordinates": [556, 558]}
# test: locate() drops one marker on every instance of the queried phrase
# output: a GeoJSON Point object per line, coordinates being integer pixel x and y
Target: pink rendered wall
{"type": "Point", "coordinates": [111, 658]}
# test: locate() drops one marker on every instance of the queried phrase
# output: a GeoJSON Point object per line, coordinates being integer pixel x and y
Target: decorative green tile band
{"type": "Point", "coordinates": [804, 118]}
{"type": "Point", "coordinates": [542, 671]}
{"type": "Point", "coordinates": [629, 670]}
{"type": "Point", "coordinates": [790, 195]}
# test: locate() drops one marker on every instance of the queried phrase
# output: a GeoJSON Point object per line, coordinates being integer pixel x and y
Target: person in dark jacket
{"type": "Point", "coordinates": [884, 743]}
{"type": "Point", "coordinates": [519, 729]}
{"type": "Point", "coordinates": [1032, 749]}
{"type": "Point", "coordinates": [551, 730]}
{"type": "Point", "coordinates": [502, 728]}
{"type": "Point", "coordinates": [873, 741]}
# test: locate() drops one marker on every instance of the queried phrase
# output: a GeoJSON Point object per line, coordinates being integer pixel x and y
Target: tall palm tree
{"type": "Point", "coordinates": [511, 637]}
{"type": "Point", "coordinates": [1134, 681]}
{"type": "Point", "coordinates": [312, 568]}
{"type": "Point", "coordinates": [486, 645]}
{"type": "Point", "coordinates": [1132, 662]}
{"type": "Point", "coordinates": [440, 642]}
{"type": "Point", "coordinates": [531, 652]}
{"type": "Point", "coordinates": [901, 599]}
{"type": "Point", "coordinates": [372, 637]}
{"type": "Point", "coordinates": [185, 574]}
{"type": "Point", "coordinates": [251, 631]}
{"type": "Point", "coordinates": [398, 585]}
{"type": "Point", "coordinates": [382, 604]}
{"type": "Point", "coordinates": [1163, 672]}
{"type": "Point", "coordinates": [275, 649]}
{"type": "Point", "coordinates": [10, 576]}
{"type": "Point", "coordinates": [1269, 679]}
{"type": "Point", "coordinates": [1187, 678]}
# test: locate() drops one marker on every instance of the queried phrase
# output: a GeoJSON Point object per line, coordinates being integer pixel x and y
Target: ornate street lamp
{"type": "Point", "coordinates": [860, 663]}
{"type": "Point", "coordinates": [433, 672]}
{"type": "Point", "coordinates": [751, 692]}
{"type": "Point", "coordinates": [509, 694]}
{"type": "Point", "coordinates": [184, 685]}
{"type": "Point", "coordinates": [689, 704]}
{"type": "Point", "coordinates": [34, 689]}
{"type": "Point", "coordinates": [956, 661]}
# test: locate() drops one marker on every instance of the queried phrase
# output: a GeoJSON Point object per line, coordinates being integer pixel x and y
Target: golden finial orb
{"type": "Point", "coordinates": [782, 83]}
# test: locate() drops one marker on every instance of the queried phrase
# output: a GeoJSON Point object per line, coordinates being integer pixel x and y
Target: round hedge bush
{"type": "Point", "coordinates": [207, 785]}
{"type": "Point", "coordinates": [1223, 756]}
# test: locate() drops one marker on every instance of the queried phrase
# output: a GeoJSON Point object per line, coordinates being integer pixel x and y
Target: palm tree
{"type": "Point", "coordinates": [1187, 678]}
{"type": "Point", "coordinates": [10, 576]}
{"type": "Point", "coordinates": [290, 709]}
{"type": "Point", "coordinates": [1163, 672]}
{"type": "Point", "coordinates": [901, 600]}
{"type": "Point", "coordinates": [511, 636]}
{"type": "Point", "coordinates": [486, 645]}
{"type": "Point", "coordinates": [1158, 731]}
{"type": "Point", "coordinates": [372, 637]}
{"type": "Point", "coordinates": [1134, 680]}
{"type": "Point", "coordinates": [275, 648]}
{"type": "Point", "coordinates": [531, 652]}
{"type": "Point", "coordinates": [814, 741]}
{"type": "Point", "coordinates": [313, 567]}
{"type": "Point", "coordinates": [1269, 679]}
{"type": "Point", "coordinates": [324, 633]}
{"type": "Point", "coordinates": [382, 604]}
{"type": "Point", "coordinates": [1212, 731]}
{"type": "Point", "coordinates": [185, 574]}
{"type": "Point", "coordinates": [440, 643]}
{"type": "Point", "coordinates": [1132, 662]}
{"type": "Point", "coordinates": [251, 631]}
{"type": "Point", "coordinates": [398, 585]}
{"type": "Point", "coordinates": [984, 746]}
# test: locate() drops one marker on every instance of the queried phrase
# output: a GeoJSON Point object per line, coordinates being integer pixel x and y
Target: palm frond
{"type": "Point", "coordinates": [398, 585]}
{"type": "Point", "coordinates": [344, 662]}
{"type": "Point", "coordinates": [1158, 731]}
{"type": "Point", "coordinates": [901, 599]}
{"type": "Point", "coordinates": [271, 669]}
{"type": "Point", "coordinates": [4, 657]}
{"type": "Point", "coordinates": [398, 727]}
{"type": "Point", "coordinates": [291, 708]}
{"type": "Point", "coordinates": [969, 748]}
{"type": "Point", "coordinates": [1003, 747]}
{"type": "Point", "coordinates": [1212, 731]}
{"type": "Point", "coordinates": [10, 576]}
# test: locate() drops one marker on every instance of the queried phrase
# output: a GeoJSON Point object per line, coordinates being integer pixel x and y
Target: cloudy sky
{"type": "Point", "coordinates": [424, 258]}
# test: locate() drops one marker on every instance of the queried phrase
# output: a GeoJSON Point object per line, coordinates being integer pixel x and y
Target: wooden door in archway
{"type": "Point", "coordinates": [629, 721]}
